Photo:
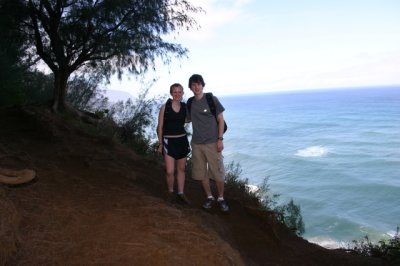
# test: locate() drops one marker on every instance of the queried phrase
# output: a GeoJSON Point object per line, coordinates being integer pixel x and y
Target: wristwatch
{"type": "Point", "coordinates": [220, 138]}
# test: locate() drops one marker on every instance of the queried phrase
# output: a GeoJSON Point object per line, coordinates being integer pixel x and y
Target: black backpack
{"type": "Point", "coordinates": [211, 104]}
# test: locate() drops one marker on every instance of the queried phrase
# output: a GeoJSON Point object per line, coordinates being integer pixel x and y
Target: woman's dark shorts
{"type": "Point", "coordinates": [177, 148]}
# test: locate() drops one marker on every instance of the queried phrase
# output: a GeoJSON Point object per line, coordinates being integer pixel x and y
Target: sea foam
{"type": "Point", "coordinates": [328, 242]}
{"type": "Point", "coordinates": [313, 151]}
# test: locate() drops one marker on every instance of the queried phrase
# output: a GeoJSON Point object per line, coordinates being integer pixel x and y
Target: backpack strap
{"type": "Point", "coordinates": [211, 103]}
{"type": "Point", "coordinates": [168, 106]}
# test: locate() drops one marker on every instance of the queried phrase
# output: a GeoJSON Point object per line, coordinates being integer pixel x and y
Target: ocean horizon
{"type": "Point", "coordinates": [335, 152]}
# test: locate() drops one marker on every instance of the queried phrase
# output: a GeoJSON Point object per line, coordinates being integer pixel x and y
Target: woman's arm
{"type": "Point", "coordinates": [160, 126]}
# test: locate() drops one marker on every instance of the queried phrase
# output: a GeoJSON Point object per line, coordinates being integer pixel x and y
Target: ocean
{"type": "Point", "coordinates": [335, 152]}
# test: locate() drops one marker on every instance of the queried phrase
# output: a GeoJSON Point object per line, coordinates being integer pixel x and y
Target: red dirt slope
{"type": "Point", "coordinates": [95, 202]}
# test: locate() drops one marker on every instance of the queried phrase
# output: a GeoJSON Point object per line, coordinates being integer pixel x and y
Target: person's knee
{"type": "Point", "coordinates": [169, 172]}
{"type": "Point", "coordinates": [180, 169]}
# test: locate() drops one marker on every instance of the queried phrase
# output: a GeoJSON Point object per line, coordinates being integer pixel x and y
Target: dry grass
{"type": "Point", "coordinates": [9, 225]}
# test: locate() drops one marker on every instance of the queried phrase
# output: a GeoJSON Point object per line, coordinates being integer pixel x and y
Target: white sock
{"type": "Point", "coordinates": [220, 198]}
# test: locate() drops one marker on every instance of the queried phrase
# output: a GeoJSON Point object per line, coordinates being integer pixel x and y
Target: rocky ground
{"type": "Point", "coordinates": [94, 202]}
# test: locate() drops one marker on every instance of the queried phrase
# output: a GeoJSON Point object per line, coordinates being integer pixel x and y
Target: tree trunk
{"type": "Point", "coordinates": [60, 103]}
{"type": "Point", "coordinates": [60, 91]}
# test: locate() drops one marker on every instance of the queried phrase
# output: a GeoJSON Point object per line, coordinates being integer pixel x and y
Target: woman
{"type": "Point", "coordinates": [173, 142]}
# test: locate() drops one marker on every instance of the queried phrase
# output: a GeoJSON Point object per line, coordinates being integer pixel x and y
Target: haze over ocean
{"type": "Point", "coordinates": [336, 153]}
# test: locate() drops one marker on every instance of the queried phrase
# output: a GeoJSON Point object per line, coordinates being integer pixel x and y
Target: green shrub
{"type": "Point", "coordinates": [388, 250]}
{"type": "Point", "coordinates": [233, 178]}
{"type": "Point", "coordinates": [136, 123]}
{"type": "Point", "coordinates": [268, 199]}
{"type": "Point", "coordinates": [84, 94]}
{"type": "Point", "coordinates": [289, 214]}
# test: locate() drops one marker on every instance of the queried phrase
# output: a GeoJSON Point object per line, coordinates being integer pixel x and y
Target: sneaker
{"type": "Point", "coordinates": [181, 198]}
{"type": "Point", "coordinates": [170, 197]}
{"type": "Point", "coordinates": [209, 203]}
{"type": "Point", "coordinates": [224, 207]}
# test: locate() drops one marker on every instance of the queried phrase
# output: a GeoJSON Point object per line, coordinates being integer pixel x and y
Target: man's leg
{"type": "Point", "coordinates": [216, 167]}
{"type": "Point", "coordinates": [206, 186]}
{"type": "Point", "coordinates": [220, 188]}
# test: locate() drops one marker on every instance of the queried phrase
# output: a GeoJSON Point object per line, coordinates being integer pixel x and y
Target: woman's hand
{"type": "Point", "coordinates": [160, 148]}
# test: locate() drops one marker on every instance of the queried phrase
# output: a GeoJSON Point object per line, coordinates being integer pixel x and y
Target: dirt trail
{"type": "Point", "coordinates": [96, 203]}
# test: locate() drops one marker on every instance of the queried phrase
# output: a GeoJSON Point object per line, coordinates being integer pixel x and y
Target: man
{"type": "Point", "coordinates": [207, 142]}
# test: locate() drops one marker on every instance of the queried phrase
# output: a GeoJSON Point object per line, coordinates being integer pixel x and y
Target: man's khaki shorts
{"type": "Point", "coordinates": [207, 162]}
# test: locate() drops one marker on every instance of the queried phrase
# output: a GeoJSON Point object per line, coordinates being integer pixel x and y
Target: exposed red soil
{"type": "Point", "coordinates": [94, 202]}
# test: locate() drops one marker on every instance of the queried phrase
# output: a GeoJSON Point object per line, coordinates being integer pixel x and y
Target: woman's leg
{"type": "Point", "coordinates": [169, 172]}
{"type": "Point", "coordinates": [180, 175]}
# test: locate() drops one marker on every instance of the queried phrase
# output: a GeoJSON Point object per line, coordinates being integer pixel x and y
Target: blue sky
{"type": "Point", "coordinates": [253, 46]}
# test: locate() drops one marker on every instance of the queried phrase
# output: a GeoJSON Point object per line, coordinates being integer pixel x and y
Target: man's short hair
{"type": "Point", "coordinates": [196, 78]}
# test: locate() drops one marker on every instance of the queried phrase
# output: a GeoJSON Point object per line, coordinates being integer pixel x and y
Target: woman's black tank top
{"type": "Point", "coordinates": [174, 123]}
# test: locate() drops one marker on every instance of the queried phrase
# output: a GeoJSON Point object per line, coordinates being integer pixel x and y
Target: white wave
{"type": "Point", "coordinates": [392, 234]}
{"type": "Point", "coordinates": [313, 151]}
{"type": "Point", "coordinates": [327, 242]}
{"type": "Point", "coordinates": [252, 188]}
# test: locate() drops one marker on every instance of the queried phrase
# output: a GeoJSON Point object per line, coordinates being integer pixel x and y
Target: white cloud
{"type": "Point", "coordinates": [257, 46]}
{"type": "Point", "coordinates": [217, 14]}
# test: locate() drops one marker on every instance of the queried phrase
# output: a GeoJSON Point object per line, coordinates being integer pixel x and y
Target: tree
{"type": "Point", "coordinates": [103, 37]}
{"type": "Point", "coordinates": [11, 50]}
